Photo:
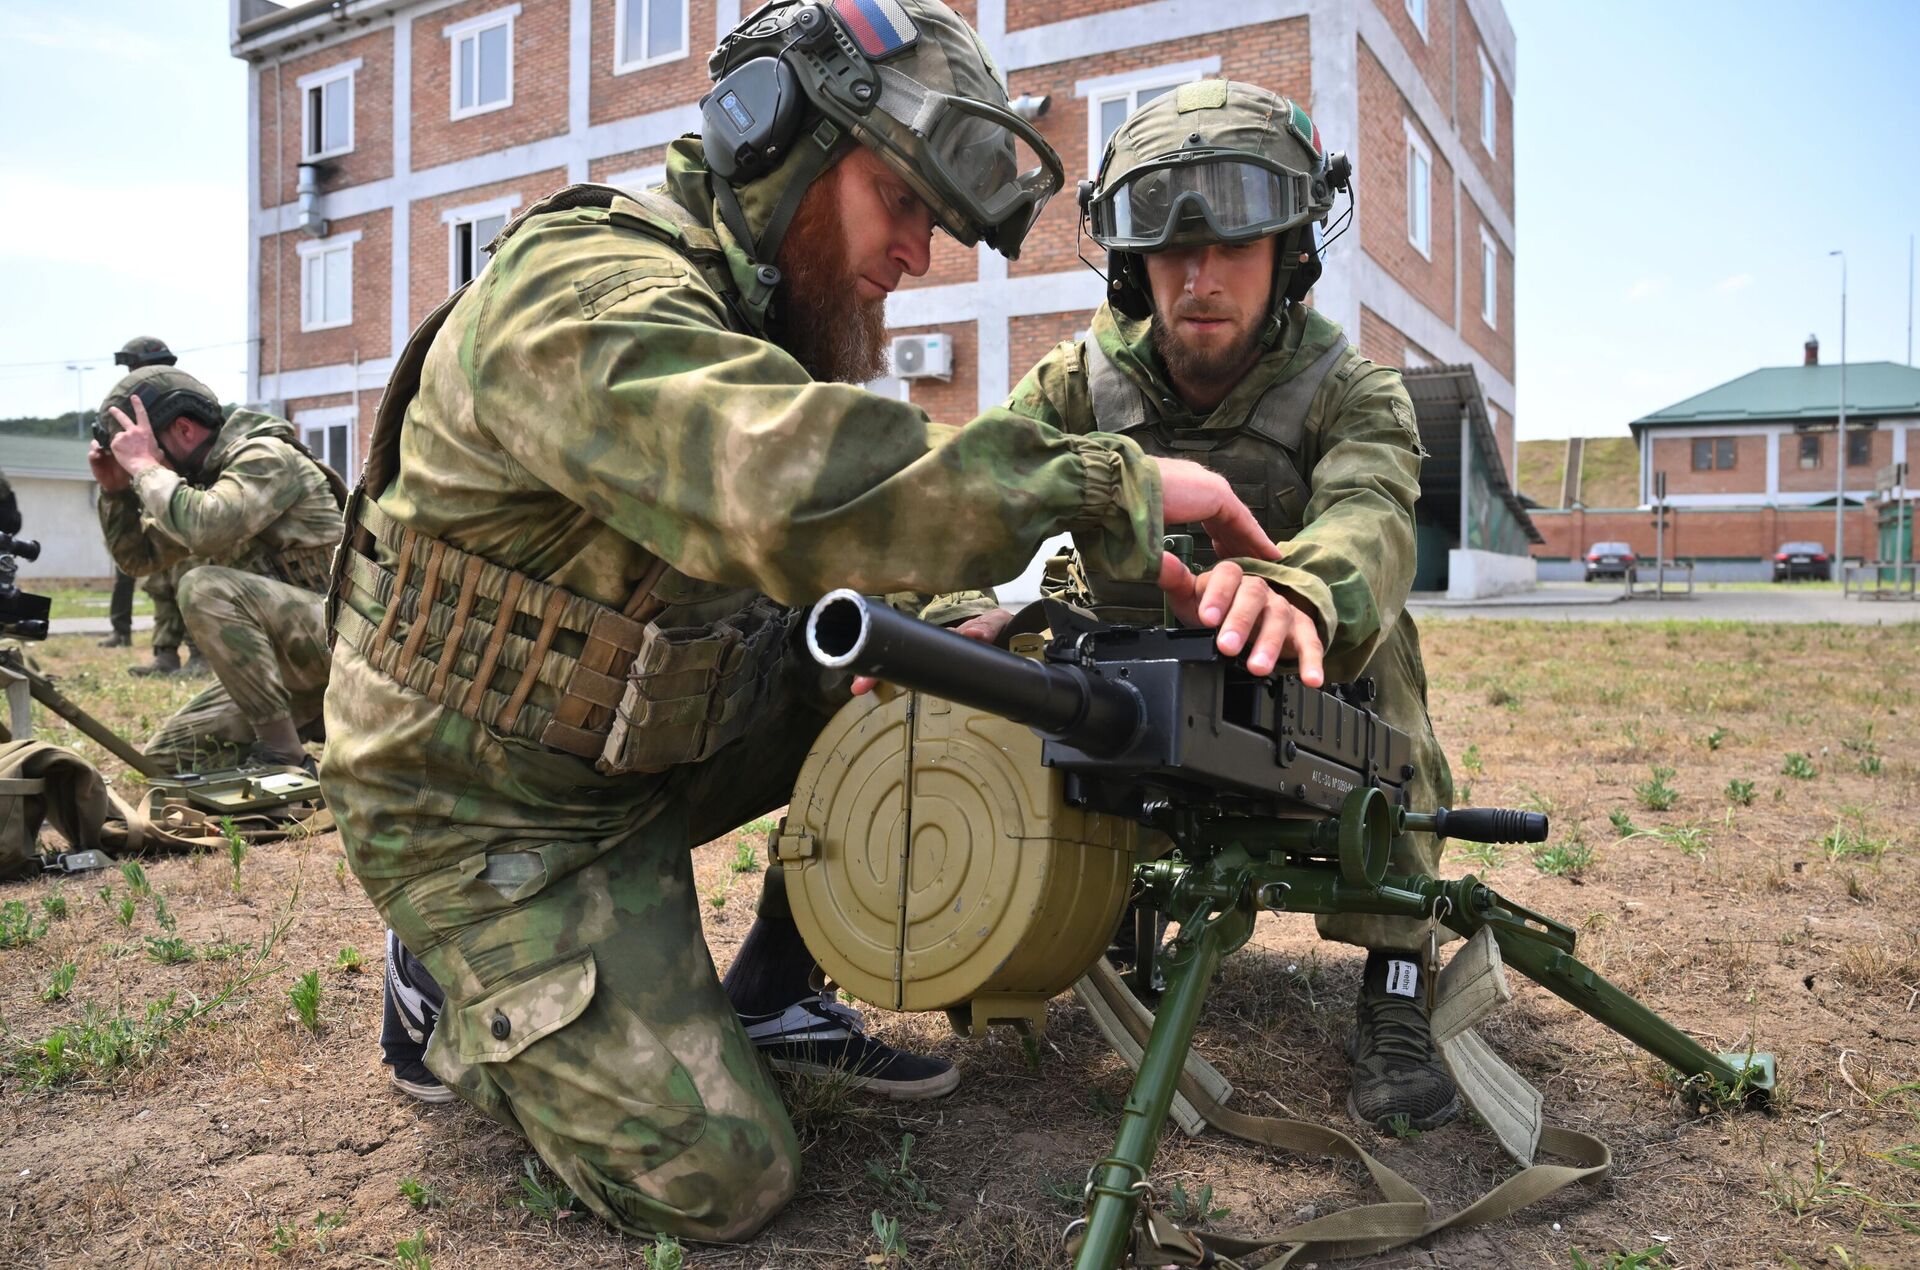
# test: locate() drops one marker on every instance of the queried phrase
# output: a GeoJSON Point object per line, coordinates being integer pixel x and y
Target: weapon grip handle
{"type": "Point", "coordinates": [1490, 824]}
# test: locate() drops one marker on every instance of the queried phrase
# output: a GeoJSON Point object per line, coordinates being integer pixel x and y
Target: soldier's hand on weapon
{"type": "Point", "coordinates": [986, 628]}
{"type": "Point", "coordinates": [1190, 493]}
{"type": "Point", "coordinates": [134, 445]}
{"type": "Point", "coordinates": [1251, 615]}
{"type": "Point", "coordinates": [107, 470]}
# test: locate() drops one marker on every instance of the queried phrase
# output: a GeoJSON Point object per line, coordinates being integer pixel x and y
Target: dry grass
{"type": "Point", "coordinates": [242, 1137]}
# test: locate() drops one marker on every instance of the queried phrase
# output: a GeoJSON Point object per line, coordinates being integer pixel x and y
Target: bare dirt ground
{"type": "Point", "coordinates": [170, 1111]}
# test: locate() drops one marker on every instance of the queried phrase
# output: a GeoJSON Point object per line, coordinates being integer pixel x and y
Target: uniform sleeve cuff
{"type": "Point", "coordinates": [1307, 592]}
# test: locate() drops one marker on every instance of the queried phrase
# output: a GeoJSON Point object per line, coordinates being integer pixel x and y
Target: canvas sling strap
{"type": "Point", "coordinates": [480, 638]}
{"type": "Point", "coordinates": [1403, 1217]}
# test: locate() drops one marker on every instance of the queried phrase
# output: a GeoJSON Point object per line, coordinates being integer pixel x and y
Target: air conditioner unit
{"type": "Point", "coordinates": [922, 357]}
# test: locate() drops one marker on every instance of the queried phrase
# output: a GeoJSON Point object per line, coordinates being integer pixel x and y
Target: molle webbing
{"type": "Point", "coordinates": [307, 567]}
{"type": "Point", "coordinates": [518, 655]}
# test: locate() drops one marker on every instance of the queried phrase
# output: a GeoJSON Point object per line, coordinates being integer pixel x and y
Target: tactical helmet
{"type": "Point", "coordinates": [168, 394]}
{"type": "Point", "coordinates": [908, 79]}
{"type": "Point", "coordinates": [1214, 161]}
{"type": "Point", "coordinates": [144, 350]}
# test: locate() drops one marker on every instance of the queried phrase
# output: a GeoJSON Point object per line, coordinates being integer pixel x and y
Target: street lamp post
{"type": "Point", "coordinates": [1840, 436]}
{"type": "Point", "coordinates": [79, 397]}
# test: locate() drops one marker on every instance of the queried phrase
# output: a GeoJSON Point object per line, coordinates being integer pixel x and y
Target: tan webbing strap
{"type": "Point", "coordinates": [641, 606]}
{"type": "Point", "coordinates": [509, 603]}
{"type": "Point", "coordinates": [1367, 1228]}
{"type": "Point", "coordinates": [384, 632]}
{"type": "Point", "coordinates": [462, 610]}
{"type": "Point", "coordinates": [530, 673]}
{"type": "Point", "coordinates": [417, 633]}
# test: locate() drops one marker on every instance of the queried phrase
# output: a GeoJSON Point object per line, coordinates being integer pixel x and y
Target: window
{"type": "Point", "coordinates": [1111, 98]}
{"type": "Point", "coordinates": [1809, 451]}
{"type": "Point", "coordinates": [329, 434]}
{"type": "Point", "coordinates": [482, 48]}
{"type": "Point", "coordinates": [469, 230]}
{"type": "Point", "coordinates": [1419, 192]}
{"type": "Point", "coordinates": [1417, 10]}
{"type": "Point", "coordinates": [1489, 280]}
{"type": "Point", "coordinates": [326, 282]}
{"type": "Point", "coordinates": [1489, 105]}
{"type": "Point", "coordinates": [326, 112]}
{"type": "Point", "coordinates": [1710, 453]}
{"type": "Point", "coordinates": [1859, 448]}
{"type": "Point", "coordinates": [650, 32]}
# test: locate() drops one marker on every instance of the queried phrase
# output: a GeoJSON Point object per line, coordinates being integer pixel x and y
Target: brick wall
{"type": "Point", "coordinates": [1032, 337]}
{"type": "Point", "coordinates": [368, 333]}
{"type": "Point", "coordinates": [614, 164]}
{"type": "Point", "coordinates": [658, 87]}
{"type": "Point", "coordinates": [429, 264]}
{"type": "Point", "coordinates": [1383, 187]}
{"type": "Point", "coordinates": [1749, 533]}
{"type": "Point", "coordinates": [953, 400]}
{"type": "Point", "coordinates": [947, 262]}
{"type": "Point", "coordinates": [1748, 475]}
{"type": "Point", "coordinates": [1381, 341]}
{"type": "Point", "coordinates": [1494, 343]}
{"type": "Point", "coordinates": [281, 118]}
{"type": "Point", "coordinates": [1496, 167]}
{"type": "Point", "coordinates": [539, 84]}
{"type": "Point", "coordinates": [1430, 51]}
{"type": "Point", "coordinates": [1274, 55]}
{"type": "Point", "coordinates": [1796, 478]}
{"type": "Point", "coordinates": [1022, 14]}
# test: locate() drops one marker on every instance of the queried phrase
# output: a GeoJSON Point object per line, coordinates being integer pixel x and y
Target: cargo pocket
{"type": "Point", "coordinates": [498, 1026]}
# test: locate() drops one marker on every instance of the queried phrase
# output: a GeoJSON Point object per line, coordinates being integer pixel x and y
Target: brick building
{"type": "Point", "coordinates": [389, 139]}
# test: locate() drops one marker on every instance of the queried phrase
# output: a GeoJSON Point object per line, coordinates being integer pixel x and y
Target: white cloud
{"type": "Point", "coordinates": [1734, 283]}
{"type": "Point", "coordinates": [1646, 288]}
{"type": "Point", "coordinates": [56, 29]}
{"type": "Point", "coordinates": [147, 230]}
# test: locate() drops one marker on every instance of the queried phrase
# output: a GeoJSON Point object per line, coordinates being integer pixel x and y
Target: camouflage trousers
{"type": "Point", "coordinates": [582, 1005]}
{"type": "Point", "coordinates": [266, 642]}
{"type": "Point", "coordinates": [169, 627]}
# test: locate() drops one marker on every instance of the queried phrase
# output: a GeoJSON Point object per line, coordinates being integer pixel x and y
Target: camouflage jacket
{"type": "Point", "coordinates": [1350, 557]}
{"type": "Point", "coordinates": [261, 504]}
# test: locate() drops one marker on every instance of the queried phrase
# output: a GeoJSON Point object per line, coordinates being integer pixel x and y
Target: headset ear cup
{"type": "Point", "coordinates": [749, 119]}
{"type": "Point", "coordinates": [1302, 276]}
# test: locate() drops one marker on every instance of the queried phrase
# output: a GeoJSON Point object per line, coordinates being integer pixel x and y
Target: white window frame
{"type": "Point", "coordinates": [321, 79]}
{"type": "Point", "coordinates": [1417, 147]}
{"type": "Point", "coordinates": [644, 7]}
{"type": "Point", "coordinates": [1489, 280]}
{"type": "Point", "coordinates": [470, 29]}
{"type": "Point", "coordinates": [317, 249]}
{"type": "Point", "coordinates": [324, 417]}
{"type": "Point", "coordinates": [454, 217]}
{"type": "Point", "coordinates": [1417, 11]}
{"type": "Point", "coordinates": [638, 178]}
{"type": "Point", "coordinates": [1129, 85]}
{"type": "Point", "coordinates": [1489, 107]}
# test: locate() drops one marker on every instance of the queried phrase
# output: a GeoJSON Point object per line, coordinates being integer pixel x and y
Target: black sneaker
{"type": "Point", "coordinates": [412, 1078]}
{"type": "Point", "coordinates": [817, 1036]}
{"type": "Point", "coordinates": [1400, 1083]}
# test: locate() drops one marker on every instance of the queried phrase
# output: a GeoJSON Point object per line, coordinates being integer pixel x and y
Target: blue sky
{"type": "Point", "coordinates": [1682, 169]}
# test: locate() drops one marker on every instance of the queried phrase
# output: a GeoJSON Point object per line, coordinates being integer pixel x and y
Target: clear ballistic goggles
{"type": "Point", "coordinates": [1235, 199]}
{"type": "Point", "coordinates": [984, 170]}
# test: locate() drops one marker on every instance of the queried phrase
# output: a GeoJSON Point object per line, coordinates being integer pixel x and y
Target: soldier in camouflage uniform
{"type": "Point", "coordinates": [245, 495]}
{"type": "Point", "coordinates": [1206, 200]}
{"type": "Point", "coordinates": [601, 475]}
{"type": "Point", "coordinates": [169, 628]}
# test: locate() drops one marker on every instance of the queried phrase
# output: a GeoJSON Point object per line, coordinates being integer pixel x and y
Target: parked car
{"type": "Point", "coordinates": [1609, 560]}
{"type": "Point", "coordinates": [1801, 560]}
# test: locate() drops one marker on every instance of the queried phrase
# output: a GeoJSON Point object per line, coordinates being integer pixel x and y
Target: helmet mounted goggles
{"type": "Point", "coordinates": [1199, 196]}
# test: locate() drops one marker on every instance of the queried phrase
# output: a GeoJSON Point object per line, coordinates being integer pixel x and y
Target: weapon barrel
{"type": "Point", "coordinates": [847, 631]}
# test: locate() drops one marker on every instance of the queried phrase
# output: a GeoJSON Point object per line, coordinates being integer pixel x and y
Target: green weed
{"type": "Point", "coordinates": [236, 849]}
{"type": "Point", "coordinates": [1691, 839]}
{"type": "Point", "coordinates": [897, 1177]}
{"type": "Point", "coordinates": [304, 997]}
{"type": "Point", "coordinates": [1740, 790]}
{"type": "Point", "coordinates": [1536, 801]}
{"type": "Point", "coordinates": [1463, 793]}
{"type": "Point", "coordinates": [55, 905]}
{"type": "Point", "coordinates": [349, 960]}
{"type": "Point", "coordinates": [162, 915]}
{"type": "Point", "coordinates": [666, 1254]}
{"type": "Point", "coordinates": [124, 914]}
{"type": "Point", "coordinates": [61, 984]}
{"type": "Point", "coordinates": [283, 1238]}
{"type": "Point", "coordinates": [543, 1195]}
{"type": "Point", "coordinates": [745, 858]}
{"type": "Point", "coordinates": [418, 1193]}
{"type": "Point", "coordinates": [168, 950]}
{"type": "Point", "coordinates": [1567, 859]}
{"type": "Point", "coordinates": [1198, 1208]}
{"type": "Point", "coordinates": [1799, 766]}
{"type": "Point", "coordinates": [886, 1230]}
{"type": "Point", "coordinates": [411, 1254]}
{"type": "Point", "coordinates": [1645, 1259]}
{"type": "Point", "coordinates": [1716, 738]}
{"type": "Point", "coordinates": [1623, 824]}
{"type": "Point", "coordinates": [1471, 762]}
{"type": "Point", "coordinates": [1485, 855]}
{"type": "Point", "coordinates": [1655, 794]}
{"type": "Point", "coordinates": [1849, 842]}
{"type": "Point", "coordinates": [17, 927]}
{"type": "Point", "coordinates": [136, 877]}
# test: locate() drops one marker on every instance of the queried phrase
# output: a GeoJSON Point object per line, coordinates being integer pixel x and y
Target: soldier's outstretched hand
{"type": "Point", "coordinates": [1190, 493]}
{"type": "Point", "coordinates": [1250, 614]}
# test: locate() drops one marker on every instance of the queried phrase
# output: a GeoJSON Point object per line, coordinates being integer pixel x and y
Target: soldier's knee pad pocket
{"type": "Point", "coordinates": [543, 1037]}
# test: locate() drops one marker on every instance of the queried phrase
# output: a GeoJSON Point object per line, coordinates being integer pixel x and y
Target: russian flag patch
{"type": "Point", "coordinates": [880, 27]}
